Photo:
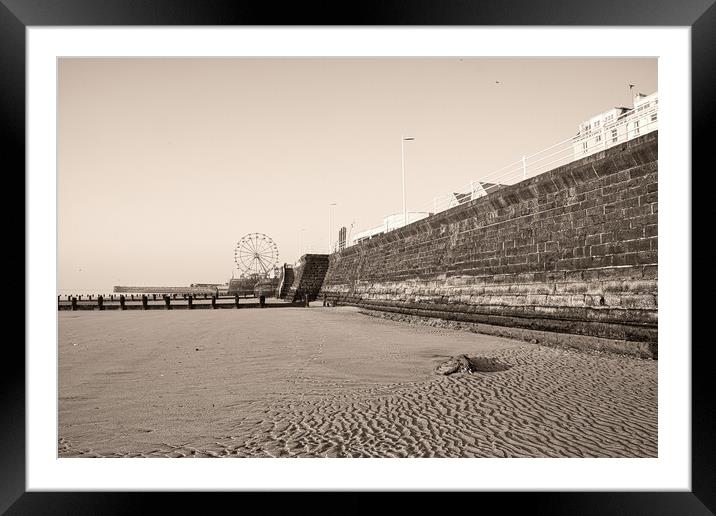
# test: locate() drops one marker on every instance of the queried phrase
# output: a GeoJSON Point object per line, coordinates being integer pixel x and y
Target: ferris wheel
{"type": "Point", "coordinates": [256, 254]}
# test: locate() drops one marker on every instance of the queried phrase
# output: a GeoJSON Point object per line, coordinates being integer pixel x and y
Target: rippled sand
{"type": "Point", "coordinates": [330, 382]}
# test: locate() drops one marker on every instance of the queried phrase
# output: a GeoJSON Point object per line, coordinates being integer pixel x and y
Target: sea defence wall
{"type": "Point", "coordinates": [568, 257]}
{"type": "Point", "coordinates": [308, 276]}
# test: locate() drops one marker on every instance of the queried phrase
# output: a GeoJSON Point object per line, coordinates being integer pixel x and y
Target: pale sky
{"type": "Point", "coordinates": [164, 164]}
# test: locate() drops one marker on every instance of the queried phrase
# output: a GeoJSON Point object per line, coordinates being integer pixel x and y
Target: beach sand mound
{"type": "Point", "coordinates": [465, 364]}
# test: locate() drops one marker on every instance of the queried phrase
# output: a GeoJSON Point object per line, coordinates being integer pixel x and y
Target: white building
{"type": "Point", "coordinates": [477, 189]}
{"type": "Point", "coordinates": [617, 125]}
{"type": "Point", "coordinates": [390, 223]}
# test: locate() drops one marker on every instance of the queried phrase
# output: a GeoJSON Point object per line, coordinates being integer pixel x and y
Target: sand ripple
{"type": "Point", "coordinates": [549, 403]}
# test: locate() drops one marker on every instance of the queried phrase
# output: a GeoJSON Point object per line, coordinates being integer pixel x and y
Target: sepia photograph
{"type": "Point", "coordinates": [386, 257]}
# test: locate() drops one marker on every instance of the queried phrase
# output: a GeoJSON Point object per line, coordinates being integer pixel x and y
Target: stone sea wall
{"type": "Point", "coordinates": [571, 252]}
{"type": "Point", "coordinates": [308, 276]}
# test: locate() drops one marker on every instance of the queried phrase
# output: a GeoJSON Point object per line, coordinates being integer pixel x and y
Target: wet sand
{"type": "Point", "coordinates": [331, 382]}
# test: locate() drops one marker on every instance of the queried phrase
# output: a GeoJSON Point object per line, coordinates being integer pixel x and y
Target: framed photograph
{"type": "Point", "coordinates": [420, 250]}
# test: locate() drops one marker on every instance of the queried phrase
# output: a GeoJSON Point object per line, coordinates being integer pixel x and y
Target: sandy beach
{"type": "Point", "coordinates": [332, 382]}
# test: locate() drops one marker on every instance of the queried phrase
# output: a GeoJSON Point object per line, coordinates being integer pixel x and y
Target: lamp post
{"type": "Point", "coordinates": [330, 225]}
{"type": "Point", "coordinates": [402, 160]}
{"type": "Point", "coordinates": [301, 242]}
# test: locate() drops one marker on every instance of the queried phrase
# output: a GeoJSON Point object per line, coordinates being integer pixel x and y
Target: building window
{"type": "Point", "coordinates": [609, 118]}
{"type": "Point", "coordinates": [596, 124]}
{"type": "Point", "coordinates": [584, 146]}
{"type": "Point", "coordinates": [598, 138]}
{"type": "Point", "coordinates": [614, 135]}
{"type": "Point", "coordinates": [653, 117]}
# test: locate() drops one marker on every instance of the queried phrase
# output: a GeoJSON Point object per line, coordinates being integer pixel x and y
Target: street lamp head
{"type": "Point", "coordinates": [408, 138]}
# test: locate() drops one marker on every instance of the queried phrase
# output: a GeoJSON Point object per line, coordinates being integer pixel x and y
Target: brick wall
{"type": "Point", "coordinates": [308, 276]}
{"type": "Point", "coordinates": [572, 251]}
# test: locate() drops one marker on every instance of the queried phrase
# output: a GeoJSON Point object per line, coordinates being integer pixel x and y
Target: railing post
{"type": "Point", "coordinates": [100, 302]}
{"type": "Point", "coordinates": [121, 302]}
{"type": "Point", "coordinates": [145, 302]}
{"type": "Point", "coordinates": [190, 301]}
{"type": "Point", "coordinates": [74, 304]}
{"type": "Point", "coordinates": [604, 140]}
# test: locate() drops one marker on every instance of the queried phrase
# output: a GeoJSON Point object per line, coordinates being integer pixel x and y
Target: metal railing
{"type": "Point", "coordinates": [626, 127]}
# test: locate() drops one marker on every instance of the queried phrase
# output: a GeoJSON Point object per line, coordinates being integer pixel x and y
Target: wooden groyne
{"type": "Point", "coordinates": [166, 302]}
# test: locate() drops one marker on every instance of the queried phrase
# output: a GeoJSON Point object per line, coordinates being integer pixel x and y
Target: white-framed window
{"type": "Point", "coordinates": [598, 138]}
{"type": "Point", "coordinates": [653, 117]}
{"type": "Point", "coordinates": [596, 124]}
{"type": "Point", "coordinates": [614, 135]}
{"type": "Point", "coordinates": [585, 145]}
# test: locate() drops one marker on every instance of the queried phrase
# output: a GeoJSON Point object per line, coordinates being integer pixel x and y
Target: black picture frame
{"type": "Point", "coordinates": [699, 15]}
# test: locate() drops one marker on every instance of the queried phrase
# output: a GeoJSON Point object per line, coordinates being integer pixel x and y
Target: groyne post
{"type": "Point", "coordinates": [145, 302]}
{"type": "Point", "coordinates": [121, 302]}
{"type": "Point", "coordinates": [100, 302]}
{"type": "Point", "coordinates": [74, 304]}
{"type": "Point", "coordinates": [190, 301]}
{"type": "Point", "coordinates": [167, 302]}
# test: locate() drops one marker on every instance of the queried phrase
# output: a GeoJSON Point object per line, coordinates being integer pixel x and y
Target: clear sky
{"type": "Point", "coordinates": [164, 164]}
